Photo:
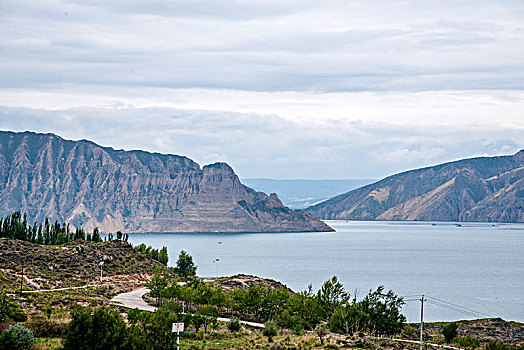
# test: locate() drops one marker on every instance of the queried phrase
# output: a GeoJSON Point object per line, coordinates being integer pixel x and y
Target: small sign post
{"type": "Point", "coordinates": [178, 327]}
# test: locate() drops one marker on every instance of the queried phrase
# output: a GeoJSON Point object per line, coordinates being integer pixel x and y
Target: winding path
{"type": "Point", "coordinates": [134, 299]}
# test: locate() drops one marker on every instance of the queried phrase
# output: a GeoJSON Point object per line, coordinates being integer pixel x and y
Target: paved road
{"type": "Point", "coordinates": [134, 299]}
{"type": "Point", "coordinates": [253, 324]}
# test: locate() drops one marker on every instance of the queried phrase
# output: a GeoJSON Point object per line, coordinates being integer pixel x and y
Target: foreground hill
{"type": "Point", "coordinates": [488, 189]}
{"type": "Point", "coordinates": [133, 191]}
{"type": "Point", "coordinates": [68, 264]}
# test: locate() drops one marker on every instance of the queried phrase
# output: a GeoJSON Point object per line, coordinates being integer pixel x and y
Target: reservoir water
{"type": "Point", "coordinates": [478, 266]}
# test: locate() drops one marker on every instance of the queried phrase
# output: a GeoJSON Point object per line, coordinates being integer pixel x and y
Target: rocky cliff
{"type": "Point", "coordinates": [133, 191]}
{"type": "Point", "coordinates": [489, 189]}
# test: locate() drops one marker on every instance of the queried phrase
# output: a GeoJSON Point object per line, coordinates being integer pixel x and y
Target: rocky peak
{"type": "Point", "coordinates": [91, 186]}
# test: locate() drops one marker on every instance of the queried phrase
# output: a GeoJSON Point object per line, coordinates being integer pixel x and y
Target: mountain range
{"type": "Point", "coordinates": [88, 185]}
{"type": "Point", "coordinates": [482, 189]}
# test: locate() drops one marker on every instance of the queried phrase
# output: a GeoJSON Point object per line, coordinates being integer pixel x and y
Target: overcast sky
{"type": "Point", "coordinates": [281, 89]}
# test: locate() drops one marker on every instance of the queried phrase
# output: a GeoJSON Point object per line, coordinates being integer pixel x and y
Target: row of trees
{"type": "Point", "coordinates": [15, 226]}
{"type": "Point", "coordinates": [155, 254]}
{"type": "Point", "coordinates": [377, 313]}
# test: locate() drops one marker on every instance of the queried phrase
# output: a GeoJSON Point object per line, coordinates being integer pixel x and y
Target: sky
{"type": "Point", "coordinates": [282, 89]}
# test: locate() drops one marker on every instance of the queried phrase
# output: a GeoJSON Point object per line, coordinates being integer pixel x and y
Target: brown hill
{"type": "Point", "coordinates": [133, 191]}
{"type": "Point", "coordinates": [489, 189]}
{"type": "Point", "coordinates": [67, 265]}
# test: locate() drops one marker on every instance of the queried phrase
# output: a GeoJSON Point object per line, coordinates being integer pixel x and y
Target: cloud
{"type": "Point", "coordinates": [269, 145]}
{"type": "Point", "coordinates": [330, 89]}
{"type": "Point", "coordinates": [264, 45]}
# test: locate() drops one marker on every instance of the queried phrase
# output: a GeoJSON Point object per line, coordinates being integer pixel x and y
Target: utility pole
{"type": "Point", "coordinates": [421, 322]}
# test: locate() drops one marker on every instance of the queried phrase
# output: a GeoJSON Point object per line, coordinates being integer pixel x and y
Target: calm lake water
{"type": "Point", "coordinates": [477, 266]}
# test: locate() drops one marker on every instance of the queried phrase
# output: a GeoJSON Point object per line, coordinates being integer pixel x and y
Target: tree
{"type": "Point", "coordinates": [270, 330]}
{"type": "Point", "coordinates": [159, 286]}
{"type": "Point", "coordinates": [331, 295]}
{"type": "Point", "coordinates": [152, 330]}
{"type": "Point", "coordinates": [101, 329]}
{"type": "Point", "coordinates": [383, 312]}
{"type": "Point", "coordinates": [210, 314]}
{"type": "Point", "coordinates": [163, 257]}
{"type": "Point", "coordinates": [185, 266]}
{"type": "Point", "coordinates": [450, 332]}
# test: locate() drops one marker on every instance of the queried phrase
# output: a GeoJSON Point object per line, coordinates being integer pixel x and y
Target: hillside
{"type": "Point", "coordinates": [91, 186]}
{"type": "Point", "coordinates": [484, 189]}
{"type": "Point", "coordinates": [67, 265]}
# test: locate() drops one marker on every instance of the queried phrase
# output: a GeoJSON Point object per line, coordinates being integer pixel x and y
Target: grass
{"type": "Point", "coordinates": [47, 344]}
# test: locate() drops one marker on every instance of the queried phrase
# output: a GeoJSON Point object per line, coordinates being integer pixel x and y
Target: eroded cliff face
{"type": "Point", "coordinates": [133, 191]}
{"type": "Point", "coordinates": [489, 189]}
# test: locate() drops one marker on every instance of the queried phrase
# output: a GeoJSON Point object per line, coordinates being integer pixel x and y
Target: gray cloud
{"type": "Point", "coordinates": [268, 145]}
{"type": "Point", "coordinates": [264, 45]}
{"type": "Point", "coordinates": [315, 89]}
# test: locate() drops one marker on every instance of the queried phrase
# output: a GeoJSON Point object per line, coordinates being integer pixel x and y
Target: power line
{"type": "Point", "coordinates": [450, 306]}
{"type": "Point", "coordinates": [462, 307]}
{"type": "Point", "coordinates": [472, 314]}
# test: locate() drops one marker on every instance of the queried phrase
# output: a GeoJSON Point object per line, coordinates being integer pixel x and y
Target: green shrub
{"type": "Point", "coordinates": [496, 345]}
{"type": "Point", "coordinates": [43, 327]}
{"type": "Point", "coordinates": [450, 332]}
{"type": "Point", "coordinates": [10, 310]}
{"type": "Point", "coordinates": [234, 324]}
{"type": "Point", "coordinates": [17, 337]}
{"type": "Point", "coordinates": [101, 329]}
{"type": "Point", "coordinates": [298, 329]}
{"type": "Point", "coordinates": [468, 342]}
{"type": "Point", "coordinates": [270, 330]}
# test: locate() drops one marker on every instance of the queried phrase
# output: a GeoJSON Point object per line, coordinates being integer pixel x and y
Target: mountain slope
{"type": "Point", "coordinates": [477, 189]}
{"type": "Point", "coordinates": [133, 191]}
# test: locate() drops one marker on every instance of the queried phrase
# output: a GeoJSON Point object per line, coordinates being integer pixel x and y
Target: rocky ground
{"type": "Point", "coordinates": [244, 281]}
{"type": "Point", "coordinates": [72, 264]}
{"type": "Point", "coordinates": [488, 328]}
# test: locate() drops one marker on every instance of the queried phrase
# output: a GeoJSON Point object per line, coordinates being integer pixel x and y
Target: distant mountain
{"type": "Point", "coordinates": [133, 191]}
{"type": "Point", "coordinates": [487, 189]}
{"type": "Point", "coordinates": [299, 194]}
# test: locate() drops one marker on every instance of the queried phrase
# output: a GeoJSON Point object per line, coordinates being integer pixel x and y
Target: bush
{"type": "Point", "coordinates": [17, 337]}
{"type": "Point", "coordinates": [270, 330]}
{"type": "Point", "coordinates": [469, 342]}
{"type": "Point", "coordinates": [42, 327]}
{"type": "Point", "coordinates": [10, 310]}
{"type": "Point", "coordinates": [234, 324]}
{"type": "Point", "coordinates": [496, 345]}
{"type": "Point", "coordinates": [298, 329]}
{"type": "Point", "coordinates": [285, 320]}
{"type": "Point", "coordinates": [101, 329]}
{"type": "Point", "coordinates": [450, 332]}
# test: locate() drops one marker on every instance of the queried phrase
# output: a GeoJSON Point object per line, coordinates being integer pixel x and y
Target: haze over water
{"type": "Point", "coordinates": [478, 266]}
